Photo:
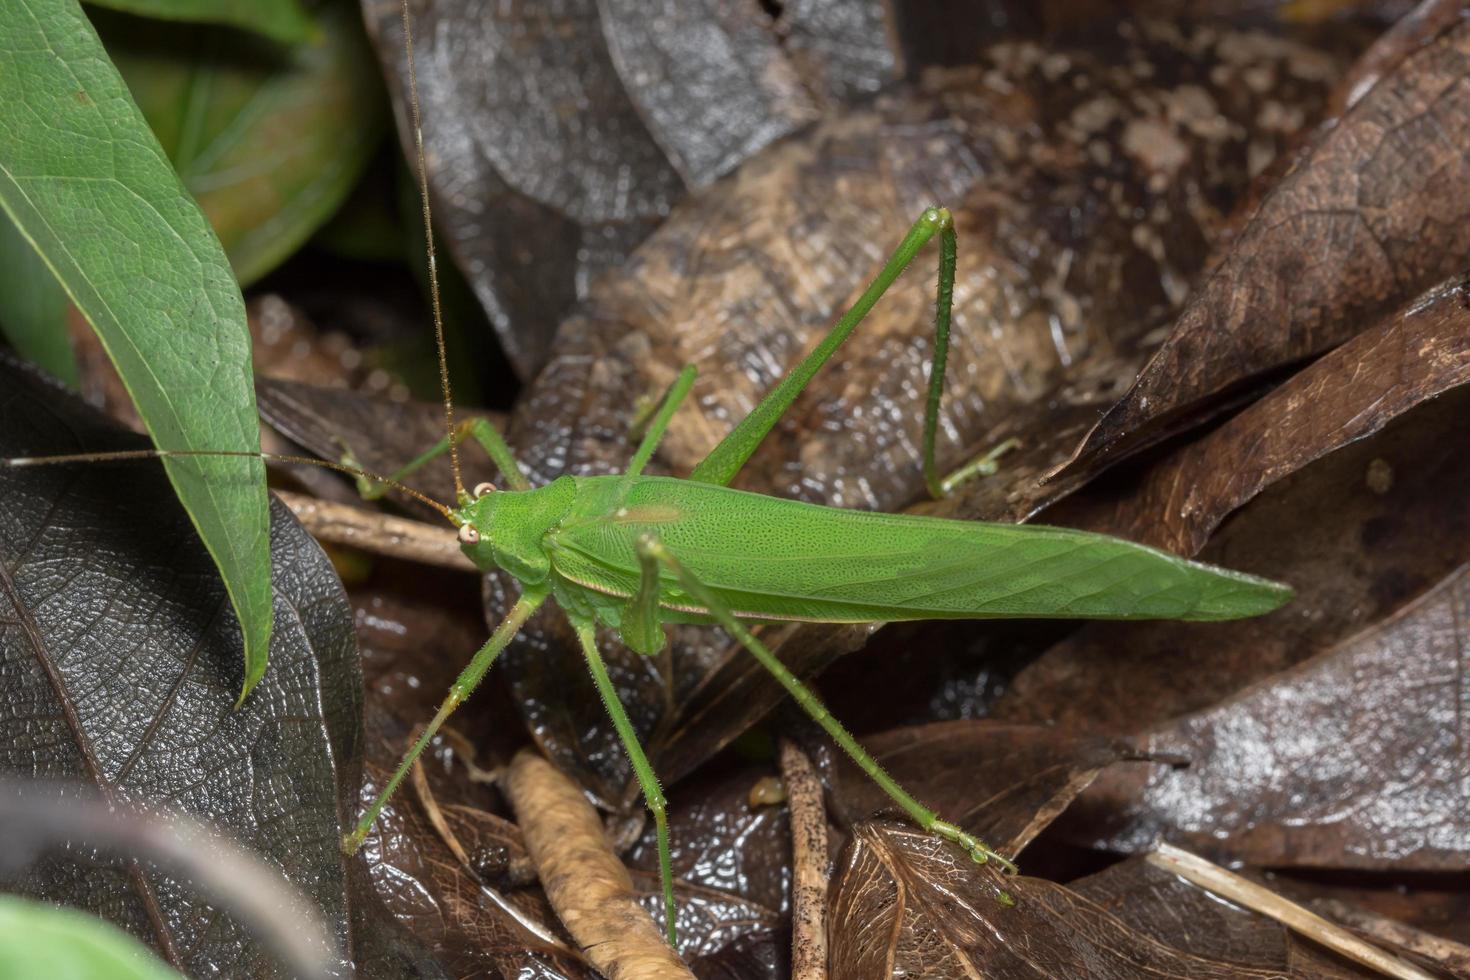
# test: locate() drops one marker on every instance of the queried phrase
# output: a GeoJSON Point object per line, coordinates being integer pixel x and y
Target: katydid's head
{"type": "Point", "coordinates": [508, 528]}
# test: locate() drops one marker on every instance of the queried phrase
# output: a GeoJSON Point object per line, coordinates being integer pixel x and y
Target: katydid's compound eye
{"type": "Point", "coordinates": [468, 534]}
{"type": "Point", "coordinates": [483, 488]}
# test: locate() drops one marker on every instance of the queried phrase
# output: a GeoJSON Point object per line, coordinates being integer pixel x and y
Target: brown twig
{"type": "Point", "coordinates": [587, 885]}
{"type": "Point", "coordinates": [808, 863]}
{"type": "Point", "coordinates": [1248, 894]}
{"type": "Point", "coordinates": [378, 533]}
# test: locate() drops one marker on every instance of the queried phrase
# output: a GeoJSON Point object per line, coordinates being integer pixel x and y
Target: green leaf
{"type": "Point", "coordinates": [33, 306]}
{"type": "Point", "coordinates": [41, 940]}
{"type": "Point", "coordinates": [269, 141]}
{"type": "Point", "coordinates": [91, 189]}
{"type": "Point", "coordinates": [282, 20]}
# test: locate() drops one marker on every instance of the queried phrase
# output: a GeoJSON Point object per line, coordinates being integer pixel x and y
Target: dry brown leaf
{"type": "Point", "coordinates": [1004, 783]}
{"type": "Point", "coordinates": [906, 904]}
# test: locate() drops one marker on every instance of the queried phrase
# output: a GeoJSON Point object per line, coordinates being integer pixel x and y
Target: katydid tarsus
{"type": "Point", "coordinates": [635, 553]}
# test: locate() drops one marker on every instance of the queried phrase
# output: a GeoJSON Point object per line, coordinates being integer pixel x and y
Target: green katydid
{"type": "Point", "coordinates": [635, 552]}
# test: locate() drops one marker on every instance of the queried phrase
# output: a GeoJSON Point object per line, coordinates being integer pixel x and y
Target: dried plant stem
{"type": "Point", "coordinates": [1248, 894]}
{"type": "Point", "coordinates": [1452, 957]}
{"type": "Point", "coordinates": [378, 533]}
{"type": "Point", "coordinates": [587, 885]}
{"type": "Point", "coordinates": [809, 865]}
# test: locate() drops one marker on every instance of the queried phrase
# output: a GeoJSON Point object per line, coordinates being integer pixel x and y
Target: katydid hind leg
{"type": "Point", "coordinates": [726, 459]}
{"type": "Point", "coordinates": [652, 549]}
{"type": "Point", "coordinates": [653, 794]}
{"type": "Point", "coordinates": [460, 690]}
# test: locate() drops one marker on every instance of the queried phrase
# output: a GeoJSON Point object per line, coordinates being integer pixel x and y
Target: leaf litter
{"type": "Point", "coordinates": [1340, 478]}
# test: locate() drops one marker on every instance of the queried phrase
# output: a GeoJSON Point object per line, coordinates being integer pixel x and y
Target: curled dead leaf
{"type": "Point", "coordinates": [588, 886]}
{"type": "Point", "coordinates": [1413, 355]}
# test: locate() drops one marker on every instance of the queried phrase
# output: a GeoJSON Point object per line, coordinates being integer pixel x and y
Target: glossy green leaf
{"type": "Point", "coordinates": [91, 189]}
{"type": "Point", "coordinates": [283, 20]}
{"type": "Point", "coordinates": [33, 306]}
{"type": "Point", "coordinates": [41, 940]}
{"type": "Point", "coordinates": [270, 141]}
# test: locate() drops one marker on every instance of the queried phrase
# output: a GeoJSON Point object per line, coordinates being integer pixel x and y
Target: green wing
{"type": "Point", "coordinates": [782, 559]}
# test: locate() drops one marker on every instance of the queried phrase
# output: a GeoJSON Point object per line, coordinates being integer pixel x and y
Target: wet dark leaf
{"type": "Point", "coordinates": [470, 925]}
{"type": "Point", "coordinates": [843, 49]}
{"type": "Point", "coordinates": [1354, 759]}
{"type": "Point", "coordinates": [722, 842]}
{"type": "Point", "coordinates": [415, 638]}
{"type": "Point", "coordinates": [558, 138]}
{"type": "Point", "coordinates": [1371, 214]}
{"type": "Point", "coordinates": [123, 667]}
{"type": "Point", "coordinates": [1359, 534]}
{"type": "Point", "coordinates": [908, 905]}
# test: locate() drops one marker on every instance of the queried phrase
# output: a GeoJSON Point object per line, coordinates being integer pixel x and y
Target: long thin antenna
{"type": "Point", "coordinates": [423, 171]}
{"type": "Point", "coordinates": [18, 462]}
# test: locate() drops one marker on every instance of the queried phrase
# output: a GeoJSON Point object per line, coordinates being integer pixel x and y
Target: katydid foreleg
{"type": "Point", "coordinates": [463, 686]}
{"type": "Point", "coordinates": [653, 794]}
{"type": "Point", "coordinates": [478, 429]}
{"type": "Point", "coordinates": [652, 551]}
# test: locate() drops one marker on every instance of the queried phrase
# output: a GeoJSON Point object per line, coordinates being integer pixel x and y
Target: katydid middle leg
{"type": "Point", "coordinates": [725, 460]}
{"type": "Point", "coordinates": [677, 392]}
{"type": "Point", "coordinates": [651, 550]}
{"type": "Point", "coordinates": [653, 794]}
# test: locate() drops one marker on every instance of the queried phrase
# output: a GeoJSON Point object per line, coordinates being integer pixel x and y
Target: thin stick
{"type": "Point", "coordinates": [1448, 955]}
{"type": "Point", "coordinates": [1248, 894]}
{"type": "Point", "coordinates": [396, 537]}
{"type": "Point", "coordinates": [434, 301]}
{"type": "Point", "coordinates": [808, 863]}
